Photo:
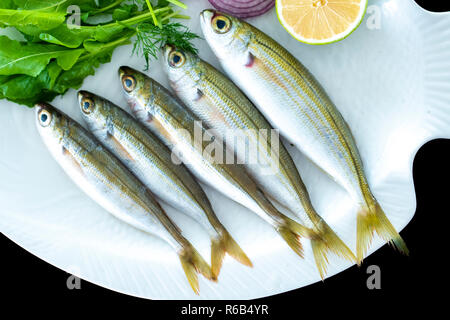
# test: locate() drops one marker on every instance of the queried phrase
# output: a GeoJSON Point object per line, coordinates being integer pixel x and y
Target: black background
{"type": "Point", "coordinates": [408, 284]}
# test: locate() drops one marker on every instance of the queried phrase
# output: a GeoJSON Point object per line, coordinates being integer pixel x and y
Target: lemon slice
{"type": "Point", "coordinates": [320, 21]}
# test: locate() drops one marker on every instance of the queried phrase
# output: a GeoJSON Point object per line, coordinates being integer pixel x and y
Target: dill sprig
{"type": "Point", "coordinates": [151, 38]}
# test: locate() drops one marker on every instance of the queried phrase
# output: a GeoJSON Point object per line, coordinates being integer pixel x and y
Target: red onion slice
{"type": "Point", "coordinates": [241, 9]}
{"type": "Point", "coordinates": [240, 4]}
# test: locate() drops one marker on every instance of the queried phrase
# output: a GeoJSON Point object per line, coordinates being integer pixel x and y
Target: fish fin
{"type": "Point", "coordinates": [73, 160]}
{"type": "Point", "coordinates": [193, 263]}
{"type": "Point", "coordinates": [292, 231]}
{"type": "Point", "coordinates": [119, 148]}
{"type": "Point", "coordinates": [224, 243]}
{"type": "Point", "coordinates": [370, 219]}
{"type": "Point", "coordinates": [323, 241]}
{"type": "Point", "coordinates": [251, 60]}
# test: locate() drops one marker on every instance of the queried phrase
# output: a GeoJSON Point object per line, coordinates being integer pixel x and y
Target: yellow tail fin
{"type": "Point", "coordinates": [370, 219]}
{"type": "Point", "coordinates": [193, 263]}
{"type": "Point", "coordinates": [292, 232]}
{"type": "Point", "coordinates": [324, 241]}
{"type": "Point", "coordinates": [226, 244]}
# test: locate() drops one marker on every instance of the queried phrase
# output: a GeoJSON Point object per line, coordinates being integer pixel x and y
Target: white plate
{"type": "Point", "coordinates": [391, 83]}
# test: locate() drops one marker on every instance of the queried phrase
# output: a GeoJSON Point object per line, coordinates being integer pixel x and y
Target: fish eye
{"type": "Point", "coordinates": [45, 118]}
{"type": "Point", "coordinates": [221, 24]}
{"type": "Point", "coordinates": [87, 105]}
{"type": "Point", "coordinates": [129, 83]}
{"type": "Point", "coordinates": [176, 59]}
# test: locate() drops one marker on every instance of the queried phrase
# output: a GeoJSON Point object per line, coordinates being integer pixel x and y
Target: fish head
{"type": "Point", "coordinates": [228, 36]}
{"type": "Point", "coordinates": [95, 111]}
{"type": "Point", "coordinates": [138, 90]}
{"type": "Point", "coordinates": [182, 67]}
{"type": "Point", "coordinates": [49, 121]}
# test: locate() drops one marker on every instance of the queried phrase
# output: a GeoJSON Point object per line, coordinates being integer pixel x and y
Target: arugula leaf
{"type": "Point", "coordinates": [93, 46]}
{"type": "Point", "coordinates": [29, 58]}
{"type": "Point", "coordinates": [7, 4]}
{"type": "Point", "coordinates": [33, 17]}
{"type": "Point", "coordinates": [52, 81]}
{"type": "Point", "coordinates": [56, 5]}
{"type": "Point", "coordinates": [150, 39]}
{"type": "Point", "coordinates": [73, 38]}
{"type": "Point", "coordinates": [74, 77]}
{"type": "Point", "coordinates": [63, 36]}
{"type": "Point", "coordinates": [23, 18]}
{"type": "Point", "coordinates": [54, 58]}
{"type": "Point", "coordinates": [125, 12]}
{"type": "Point", "coordinates": [28, 90]}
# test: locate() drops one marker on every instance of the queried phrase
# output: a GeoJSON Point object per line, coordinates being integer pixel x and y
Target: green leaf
{"type": "Point", "coordinates": [54, 70]}
{"type": "Point", "coordinates": [51, 82]}
{"type": "Point", "coordinates": [74, 77]}
{"type": "Point", "coordinates": [95, 47]}
{"type": "Point", "coordinates": [34, 17]}
{"type": "Point", "coordinates": [124, 12]}
{"type": "Point", "coordinates": [7, 4]}
{"type": "Point", "coordinates": [70, 38]}
{"type": "Point", "coordinates": [54, 58]}
{"type": "Point", "coordinates": [54, 81]}
{"type": "Point", "coordinates": [29, 58]}
{"type": "Point", "coordinates": [56, 5]}
{"type": "Point", "coordinates": [178, 3]}
{"type": "Point", "coordinates": [29, 90]}
{"type": "Point", "coordinates": [23, 18]}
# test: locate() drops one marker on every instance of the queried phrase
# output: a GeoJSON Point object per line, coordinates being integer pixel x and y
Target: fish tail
{"type": "Point", "coordinates": [292, 232]}
{"type": "Point", "coordinates": [193, 263]}
{"type": "Point", "coordinates": [323, 241]}
{"type": "Point", "coordinates": [222, 244]}
{"type": "Point", "coordinates": [371, 219]}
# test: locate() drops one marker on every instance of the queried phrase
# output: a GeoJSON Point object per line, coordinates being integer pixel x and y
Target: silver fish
{"type": "Point", "coordinates": [106, 180]}
{"type": "Point", "coordinates": [294, 102]}
{"type": "Point", "coordinates": [151, 161]}
{"type": "Point", "coordinates": [159, 111]}
{"type": "Point", "coordinates": [222, 106]}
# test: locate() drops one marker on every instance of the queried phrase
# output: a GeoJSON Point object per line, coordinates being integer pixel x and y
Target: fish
{"type": "Point", "coordinates": [185, 135]}
{"type": "Point", "coordinates": [219, 103]}
{"type": "Point", "coordinates": [151, 161]}
{"type": "Point", "coordinates": [293, 101]}
{"type": "Point", "coordinates": [107, 181]}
